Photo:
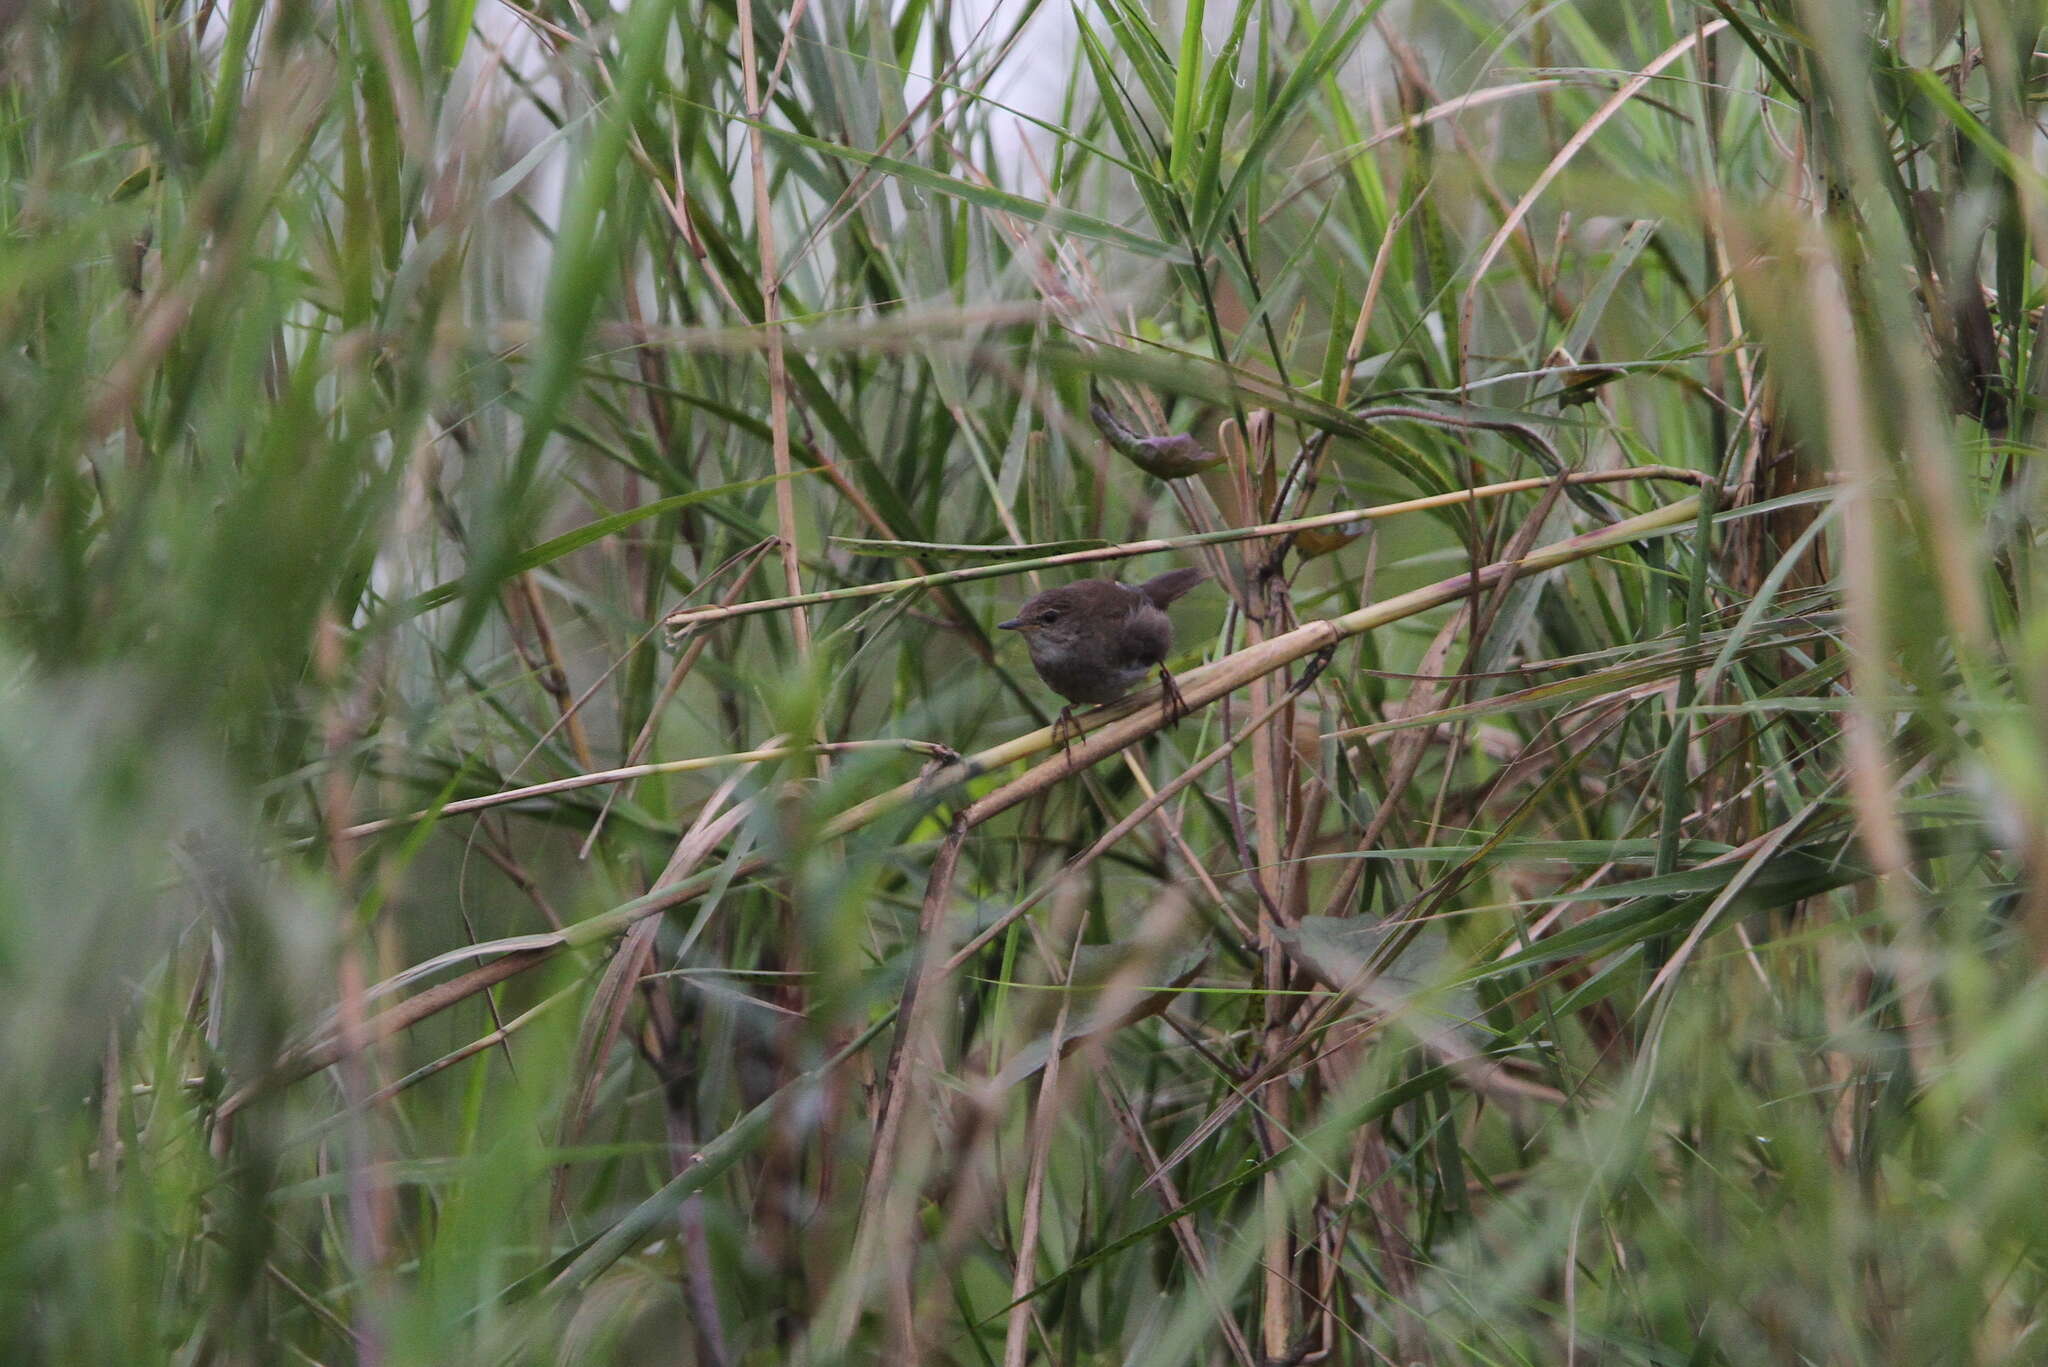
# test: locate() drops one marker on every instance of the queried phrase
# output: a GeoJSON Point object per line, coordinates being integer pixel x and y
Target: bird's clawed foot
{"type": "Point", "coordinates": [1065, 730]}
{"type": "Point", "coordinates": [1169, 695]}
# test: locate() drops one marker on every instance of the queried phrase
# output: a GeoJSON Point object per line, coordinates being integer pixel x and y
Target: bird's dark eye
{"type": "Point", "coordinates": [1049, 616]}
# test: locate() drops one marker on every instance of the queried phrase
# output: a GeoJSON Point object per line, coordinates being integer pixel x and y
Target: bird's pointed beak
{"type": "Point", "coordinates": [1014, 624]}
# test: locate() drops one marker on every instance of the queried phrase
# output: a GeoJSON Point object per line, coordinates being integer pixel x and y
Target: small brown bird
{"type": "Point", "coordinates": [1092, 641]}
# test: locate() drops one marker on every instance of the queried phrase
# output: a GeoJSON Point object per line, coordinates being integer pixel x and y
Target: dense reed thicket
{"type": "Point", "coordinates": [520, 843]}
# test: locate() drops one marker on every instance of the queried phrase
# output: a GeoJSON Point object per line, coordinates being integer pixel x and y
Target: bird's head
{"type": "Point", "coordinates": [1053, 620]}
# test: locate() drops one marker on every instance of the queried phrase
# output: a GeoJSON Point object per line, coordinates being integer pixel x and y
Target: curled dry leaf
{"type": "Point", "coordinates": [1175, 456]}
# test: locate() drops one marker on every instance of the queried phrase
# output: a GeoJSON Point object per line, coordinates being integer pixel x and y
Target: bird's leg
{"type": "Point", "coordinates": [1169, 694]}
{"type": "Point", "coordinates": [1064, 729]}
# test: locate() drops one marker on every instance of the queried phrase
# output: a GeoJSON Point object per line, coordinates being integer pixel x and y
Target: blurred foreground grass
{"type": "Point", "coordinates": [1628, 961]}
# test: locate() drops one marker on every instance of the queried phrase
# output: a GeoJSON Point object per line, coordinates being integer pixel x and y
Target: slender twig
{"type": "Point", "coordinates": [600, 777]}
{"type": "Point", "coordinates": [1129, 549]}
{"type": "Point", "coordinates": [771, 320]}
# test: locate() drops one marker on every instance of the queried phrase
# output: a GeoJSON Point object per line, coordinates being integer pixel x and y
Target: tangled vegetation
{"type": "Point", "coordinates": [522, 843]}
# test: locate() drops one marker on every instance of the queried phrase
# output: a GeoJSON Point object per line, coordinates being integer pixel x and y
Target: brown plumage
{"type": "Point", "coordinates": [1094, 640]}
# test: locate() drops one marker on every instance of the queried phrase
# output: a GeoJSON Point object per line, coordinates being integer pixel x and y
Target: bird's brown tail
{"type": "Point", "coordinates": [1163, 589]}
